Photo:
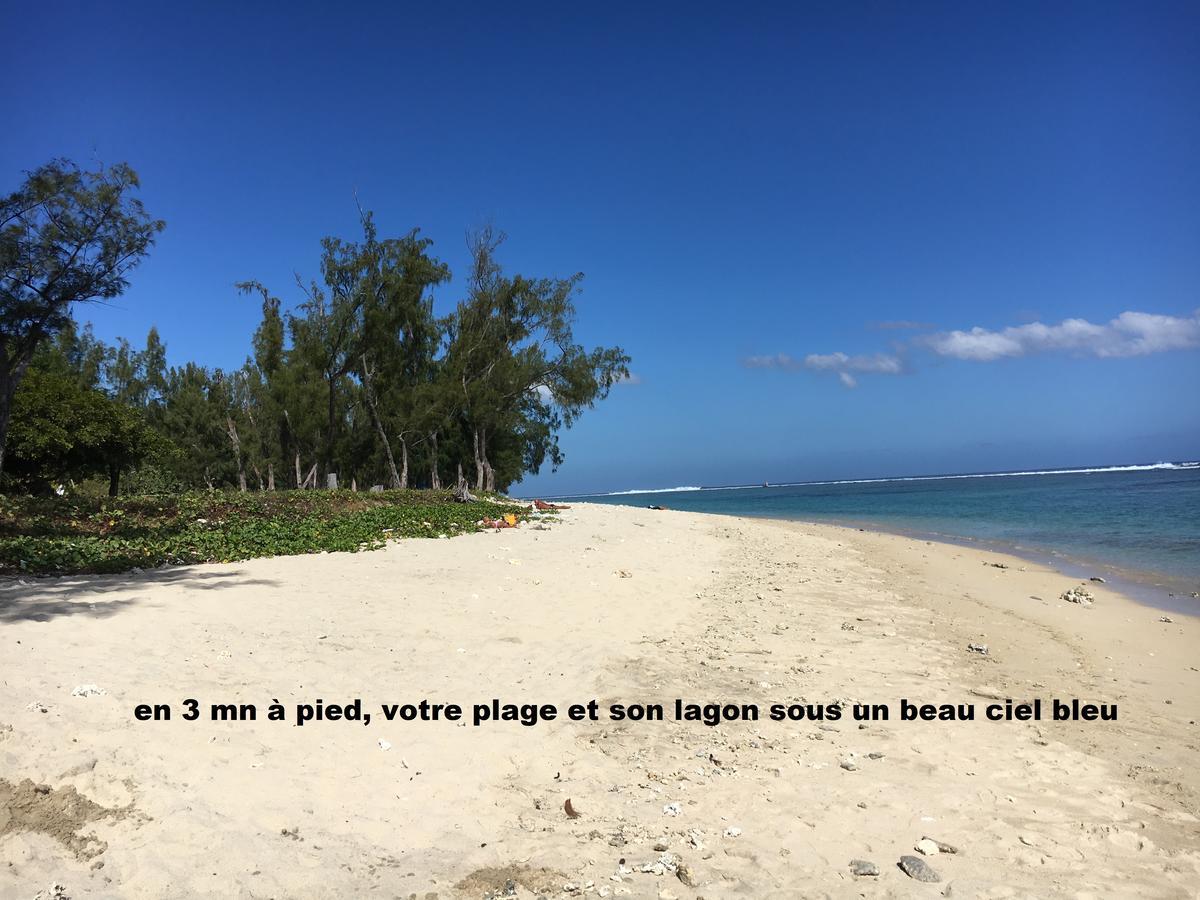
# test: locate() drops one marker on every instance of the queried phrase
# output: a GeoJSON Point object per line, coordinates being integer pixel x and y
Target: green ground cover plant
{"type": "Point", "coordinates": [67, 535]}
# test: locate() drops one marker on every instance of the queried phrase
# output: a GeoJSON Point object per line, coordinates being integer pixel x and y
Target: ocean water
{"type": "Point", "coordinates": [1138, 525]}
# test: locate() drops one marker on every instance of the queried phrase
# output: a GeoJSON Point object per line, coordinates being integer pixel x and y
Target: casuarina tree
{"type": "Point", "coordinates": [67, 236]}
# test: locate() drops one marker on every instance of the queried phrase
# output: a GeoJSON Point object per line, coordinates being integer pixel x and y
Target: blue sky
{"type": "Point", "coordinates": [749, 191]}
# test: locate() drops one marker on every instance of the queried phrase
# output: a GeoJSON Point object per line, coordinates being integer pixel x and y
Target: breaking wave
{"type": "Point", "coordinates": [1144, 467]}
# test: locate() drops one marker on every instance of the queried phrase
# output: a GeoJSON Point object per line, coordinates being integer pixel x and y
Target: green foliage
{"type": "Point", "coordinates": [67, 535]}
{"type": "Point", "coordinates": [61, 431]}
{"type": "Point", "coordinates": [358, 379]}
{"type": "Point", "coordinates": [66, 236]}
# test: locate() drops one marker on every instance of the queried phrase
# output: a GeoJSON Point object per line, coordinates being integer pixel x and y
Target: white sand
{"type": "Point", "coordinates": [715, 609]}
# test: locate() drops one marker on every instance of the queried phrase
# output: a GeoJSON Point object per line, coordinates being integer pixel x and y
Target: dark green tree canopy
{"type": "Point", "coordinates": [66, 236]}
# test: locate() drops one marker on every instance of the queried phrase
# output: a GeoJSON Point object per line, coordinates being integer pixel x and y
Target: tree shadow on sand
{"type": "Point", "coordinates": [32, 599]}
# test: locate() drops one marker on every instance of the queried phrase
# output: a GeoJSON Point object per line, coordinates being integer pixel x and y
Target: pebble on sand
{"type": "Point", "coordinates": [863, 867]}
{"type": "Point", "coordinates": [926, 847]}
{"type": "Point", "coordinates": [916, 868]}
{"type": "Point", "coordinates": [942, 846]}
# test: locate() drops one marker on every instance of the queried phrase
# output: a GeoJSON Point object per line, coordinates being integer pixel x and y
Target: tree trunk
{"type": "Point", "coordinates": [8, 390]}
{"type": "Point", "coordinates": [402, 480]}
{"type": "Point", "coordinates": [237, 452]}
{"type": "Point", "coordinates": [435, 483]}
{"type": "Point", "coordinates": [461, 493]}
{"type": "Point", "coordinates": [270, 476]}
{"type": "Point", "coordinates": [329, 434]}
{"type": "Point", "coordinates": [489, 474]}
{"type": "Point", "coordinates": [114, 480]}
{"type": "Point", "coordinates": [397, 480]}
{"type": "Point", "coordinates": [476, 444]}
{"type": "Point", "coordinates": [258, 475]}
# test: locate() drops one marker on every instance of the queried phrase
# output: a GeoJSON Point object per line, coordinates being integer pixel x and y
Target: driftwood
{"type": "Point", "coordinates": [462, 493]}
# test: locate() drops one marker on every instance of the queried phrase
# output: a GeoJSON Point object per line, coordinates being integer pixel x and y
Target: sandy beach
{"type": "Point", "coordinates": [621, 606]}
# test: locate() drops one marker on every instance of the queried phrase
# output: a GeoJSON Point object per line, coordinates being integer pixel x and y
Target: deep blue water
{"type": "Point", "coordinates": [1138, 523]}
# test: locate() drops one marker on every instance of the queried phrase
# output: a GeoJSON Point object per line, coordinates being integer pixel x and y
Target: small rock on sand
{"type": "Point", "coordinates": [863, 867]}
{"type": "Point", "coordinates": [685, 874]}
{"type": "Point", "coordinates": [942, 846]}
{"type": "Point", "coordinates": [917, 869]}
{"type": "Point", "coordinates": [926, 847]}
{"type": "Point", "coordinates": [1078, 594]}
{"type": "Point", "coordinates": [672, 809]}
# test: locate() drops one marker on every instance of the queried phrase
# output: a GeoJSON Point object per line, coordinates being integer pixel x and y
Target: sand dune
{"type": "Point", "coordinates": [618, 606]}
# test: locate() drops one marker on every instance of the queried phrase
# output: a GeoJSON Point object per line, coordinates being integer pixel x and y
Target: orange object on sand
{"type": "Point", "coordinates": [511, 520]}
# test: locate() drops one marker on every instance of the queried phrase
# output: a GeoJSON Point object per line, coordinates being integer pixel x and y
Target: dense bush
{"type": "Point", "coordinates": [60, 535]}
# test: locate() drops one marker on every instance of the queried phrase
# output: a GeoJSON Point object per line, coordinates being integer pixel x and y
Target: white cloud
{"type": "Point", "coordinates": [840, 363]}
{"type": "Point", "coordinates": [778, 361]}
{"type": "Point", "coordinates": [1129, 334]}
{"type": "Point", "coordinates": [881, 363]}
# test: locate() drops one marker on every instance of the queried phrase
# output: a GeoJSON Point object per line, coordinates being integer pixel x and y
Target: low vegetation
{"type": "Point", "coordinates": [65, 535]}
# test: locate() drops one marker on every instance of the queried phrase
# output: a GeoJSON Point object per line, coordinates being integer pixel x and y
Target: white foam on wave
{"type": "Point", "coordinates": [670, 490]}
{"type": "Point", "coordinates": [1145, 467]}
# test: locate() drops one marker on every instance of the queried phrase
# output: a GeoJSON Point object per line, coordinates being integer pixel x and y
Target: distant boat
{"type": "Point", "coordinates": [765, 484]}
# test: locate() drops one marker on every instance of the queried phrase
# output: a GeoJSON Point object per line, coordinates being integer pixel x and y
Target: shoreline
{"type": "Point", "coordinates": [1157, 590]}
{"type": "Point", "coordinates": [621, 605]}
{"type": "Point", "coordinates": [1150, 589]}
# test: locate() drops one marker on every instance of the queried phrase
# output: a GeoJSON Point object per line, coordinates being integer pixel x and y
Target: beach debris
{"type": "Point", "coordinates": [926, 847]}
{"type": "Point", "coordinates": [570, 810]}
{"type": "Point", "coordinates": [849, 765]}
{"type": "Point", "coordinates": [668, 862]}
{"type": "Point", "coordinates": [656, 507]}
{"type": "Point", "coordinates": [863, 867]}
{"type": "Point", "coordinates": [672, 809]}
{"type": "Point", "coordinates": [1097, 579]}
{"type": "Point", "coordinates": [874, 754]}
{"type": "Point", "coordinates": [88, 690]}
{"type": "Point", "coordinates": [1078, 594]}
{"type": "Point", "coordinates": [942, 846]}
{"type": "Point", "coordinates": [978, 648]}
{"type": "Point", "coordinates": [37, 706]}
{"type": "Point", "coordinates": [732, 831]}
{"type": "Point", "coordinates": [917, 869]}
{"type": "Point", "coordinates": [1166, 619]}
{"type": "Point", "coordinates": [385, 745]}
{"type": "Point", "coordinates": [623, 573]}
{"type": "Point", "coordinates": [995, 565]}
{"type": "Point", "coordinates": [56, 891]}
